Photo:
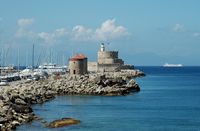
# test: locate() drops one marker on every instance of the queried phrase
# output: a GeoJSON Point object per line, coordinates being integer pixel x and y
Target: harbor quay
{"type": "Point", "coordinates": [16, 100]}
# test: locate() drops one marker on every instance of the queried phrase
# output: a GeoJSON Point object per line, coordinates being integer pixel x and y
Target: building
{"type": "Point", "coordinates": [107, 61]}
{"type": "Point", "coordinates": [108, 57]}
{"type": "Point", "coordinates": [78, 65]}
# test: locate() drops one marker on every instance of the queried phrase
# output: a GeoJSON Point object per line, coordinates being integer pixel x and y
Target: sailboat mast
{"type": "Point", "coordinates": [26, 57]}
{"type": "Point", "coordinates": [33, 57]}
{"type": "Point", "coordinates": [18, 60]}
{"type": "Point", "coordinates": [63, 60]}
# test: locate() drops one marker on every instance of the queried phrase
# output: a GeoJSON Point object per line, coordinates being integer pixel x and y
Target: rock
{"type": "Point", "coordinates": [1, 97]}
{"type": "Point", "coordinates": [137, 87]}
{"type": "Point", "coordinates": [131, 83]}
{"type": "Point", "coordinates": [63, 122]}
{"type": "Point", "coordinates": [15, 123]}
{"type": "Point", "coordinates": [1, 103]}
{"type": "Point", "coordinates": [98, 79]}
{"type": "Point", "coordinates": [140, 73]}
{"type": "Point", "coordinates": [20, 102]}
{"type": "Point", "coordinates": [22, 108]}
{"type": "Point", "coordinates": [3, 120]}
{"type": "Point", "coordinates": [109, 82]}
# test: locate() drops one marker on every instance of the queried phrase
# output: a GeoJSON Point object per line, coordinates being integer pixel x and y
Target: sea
{"type": "Point", "coordinates": [169, 100]}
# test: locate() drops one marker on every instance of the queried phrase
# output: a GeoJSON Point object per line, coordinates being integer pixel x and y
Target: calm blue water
{"type": "Point", "coordinates": [169, 100]}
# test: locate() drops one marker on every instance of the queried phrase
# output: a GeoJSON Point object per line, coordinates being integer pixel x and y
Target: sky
{"type": "Point", "coordinates": [145, 32]}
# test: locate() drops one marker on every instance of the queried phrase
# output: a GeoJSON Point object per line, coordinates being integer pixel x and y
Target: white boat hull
{"type": "Point", "coordinates": [172, 65]}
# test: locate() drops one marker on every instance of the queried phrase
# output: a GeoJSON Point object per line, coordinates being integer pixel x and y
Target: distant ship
{"type": "Point", "coordinates": [172, 65]}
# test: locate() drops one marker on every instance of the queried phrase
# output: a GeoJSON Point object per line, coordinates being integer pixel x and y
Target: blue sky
{"type": "Point", "coordinates": [145, 32]}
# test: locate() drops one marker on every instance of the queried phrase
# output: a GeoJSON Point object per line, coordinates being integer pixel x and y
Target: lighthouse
{"type": "Point", "coordinates": [102, 49]}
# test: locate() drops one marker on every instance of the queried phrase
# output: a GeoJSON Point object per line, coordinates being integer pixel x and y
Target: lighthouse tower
{"type": "Point", "coordinates": [102, 49]}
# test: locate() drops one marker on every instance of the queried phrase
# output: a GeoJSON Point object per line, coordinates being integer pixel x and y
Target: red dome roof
{"type": "Point", "coordinates": [78, 57]}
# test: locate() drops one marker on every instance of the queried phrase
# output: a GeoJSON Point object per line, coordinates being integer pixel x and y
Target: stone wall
{"type": "Point", "coordinates": [92, 66]}
{"type": "Point", "coordinates": [108, 57]}
{"type": "Point", "coordinates": [108, 67]}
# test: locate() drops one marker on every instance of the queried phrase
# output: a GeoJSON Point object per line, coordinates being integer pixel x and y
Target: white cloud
{"type": "Point", "coordinates": [25, 22]}
{"type": "Point", "coordinates": [80, 33]}
{"type": "Point", "coordinates": [107, 31]}
{"type": "Point", "coordinates": [178, 28]}
{"type": "Point", "coordinates": [196, 34]}
{"type": "Point", "coordinates": [47, 37]}
{"type": "Point", "coordinates": [51, 38]}
{"type": "Point", "coordinates": [23, 33]}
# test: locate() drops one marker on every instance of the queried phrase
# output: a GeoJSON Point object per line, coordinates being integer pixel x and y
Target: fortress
{"type": "Point", "coordinates": [107, 61]}
{"type": "Point", "coordinates": [108, 57]}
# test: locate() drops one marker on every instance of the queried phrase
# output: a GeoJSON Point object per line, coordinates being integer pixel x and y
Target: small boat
{"type": "Point", "coordinates": [48, 66]}
{"type": "Point", "coordinates": [172, 65]}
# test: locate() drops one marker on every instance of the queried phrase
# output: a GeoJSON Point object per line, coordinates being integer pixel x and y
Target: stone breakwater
{"type": "Point", "coordinates": [16, 100]}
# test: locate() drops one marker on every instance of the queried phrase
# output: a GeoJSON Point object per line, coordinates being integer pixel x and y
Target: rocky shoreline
{"type": "Point", "coordinates": [16, 101]}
